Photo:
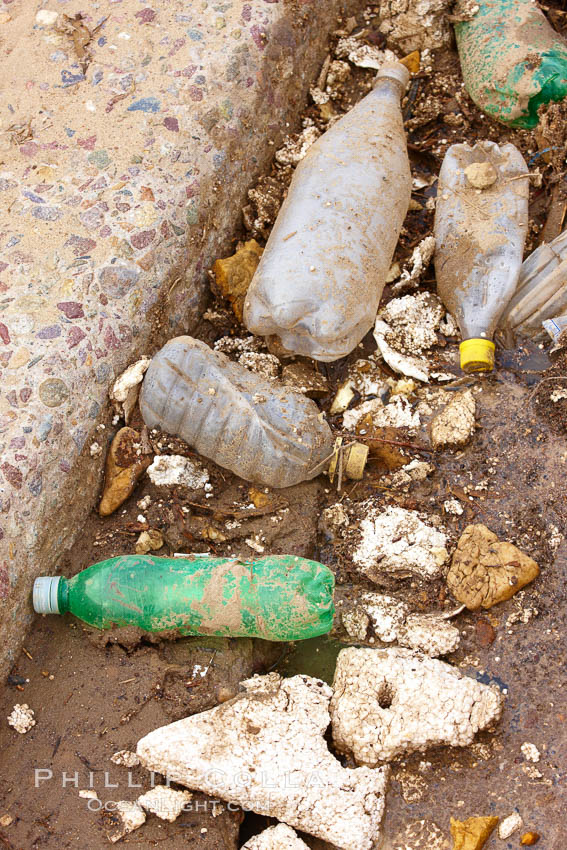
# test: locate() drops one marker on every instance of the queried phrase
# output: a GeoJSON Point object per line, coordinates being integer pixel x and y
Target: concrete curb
{"type": "Point", "coordinates": [125, 163]}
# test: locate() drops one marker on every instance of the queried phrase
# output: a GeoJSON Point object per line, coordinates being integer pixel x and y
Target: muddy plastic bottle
{"type": "Point", "coordinates": [512, 60]}
{"type": "Point", "coordinates": [542, 288]}
{"type": "Point", "coordinates": [321, 276]}
{"type": "Point", "coordinates": [556, 327]}
{"type": "Point", "coordinates": [481, 223]}
{"type": "Point", "coordinates": [278, 597]}
{"type": "Point", "coordinates": [259, 429]}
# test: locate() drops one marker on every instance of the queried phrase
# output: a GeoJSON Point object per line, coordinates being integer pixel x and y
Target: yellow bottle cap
{"type": "Point", "coordinates": [477, 355]}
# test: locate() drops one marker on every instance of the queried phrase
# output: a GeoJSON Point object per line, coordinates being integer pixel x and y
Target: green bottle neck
{"type": "Point", "coordinates": [63, 595]}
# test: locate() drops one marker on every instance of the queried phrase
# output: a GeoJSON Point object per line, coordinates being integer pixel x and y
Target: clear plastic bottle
{"type": "Point", "coordinates": [321, 276]}
{"type": "Point", "coordinates": [542, 288]}
{"type": "Point", "coordinates": [556, 326]}
{"type": "Point", "coordinates": [259, 429]}
{"type": "Point", "coordinates": [481, 223]}
{"type": "Point", "coordinates": [277, 597]}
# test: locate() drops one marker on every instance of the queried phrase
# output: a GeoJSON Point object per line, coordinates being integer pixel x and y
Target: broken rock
{"type": "Point", "coordinates": [484, 571]}
{"type": "Point", "coordinates": [510, 825]}
{"type": "Point", "coordinates": [149, 541]}
{"type": "Point", "coordinates": [124, 465]}
{"type": "Point", "coordinates": [387, 702]}
{"type": "Point", "coordinates": [171, 470]}
{"type": "Point", "coordinates": [397, 541]}
{"type": "Point", "coordinates": [280, 837]}
{"type": "Point", "coordinates": [265, 750]}
{"type": "Point", "coordinates": [473, 833]}
{"type": "Point", "coordinates": [455, 424]}
{"type": "Point", "coordinates": [131, 816]}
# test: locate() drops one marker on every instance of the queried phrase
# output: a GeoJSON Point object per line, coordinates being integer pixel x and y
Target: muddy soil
{"type": "Point", "coordinates": [94, 694]}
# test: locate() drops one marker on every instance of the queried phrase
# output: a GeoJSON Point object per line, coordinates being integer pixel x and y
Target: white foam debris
{"type": "Point", "coordinates": [412, 472]}
{"type": "Point", "coordinates": [46, 17]}
{"type": "Point", "coordinates": [387, 702]}
{"type": "Point", "coordinates": [397, 414]}
{"type": "Point", "coordinates": [363, 55]}
{"type": "Point", "coordinates": [280, 837]}
{"type": "Point", "coordinates": [294, 150]}
{"type": "Point", "coordinates": [413, 322]}
{"type": "Point", "coordinates": [22, 718]}
{"type": "Point", "coordinates": [416, 266]}
{"type": "Point", "coordinates": [508, 826]}
{"type": "Point", "coordinates": [558, 395]}
{"type": "Point", "coordinates": [396, 540]}
{"type": "Point", "coordinates": [453, 506]}
{"type": "Point", "coordinates": [165, 802]}
{"type": "Point", "coordinates": [392, 620]}
{"type": "Point", "coordinates": [88, 794]}
{"type": "Point", "coordinates": [267, 365]}
{"type": "Point", "coordinates": [124, 391]}
{"type": "Point", "coordinates": [455, 424]}
{"type": "Point", "coordinates": [169, 470]}
{"type": "Point", "coordinates": [125, 758]}
{"type": "Point", "coordinates": [265, 751]}
{"type": "Point", "coordinates": [420, 835]}
{"type": "Point", "coordinates": [404, 364]}
{"type": "Point", "coordinates": [131, 817]}
{"type": "Point", "coordinates": [530, 752]}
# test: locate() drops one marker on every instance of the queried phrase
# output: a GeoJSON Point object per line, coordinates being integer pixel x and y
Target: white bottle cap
{"type": "Point", "coordinates": [45, 594]}
{"type": "Point", "coordinates": [395, 71]}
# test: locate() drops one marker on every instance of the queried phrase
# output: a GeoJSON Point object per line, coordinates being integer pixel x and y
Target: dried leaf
{"type": "Point", "coordinates": [123, 469]}
{"type": "Point", "coordinates": [234, 274]}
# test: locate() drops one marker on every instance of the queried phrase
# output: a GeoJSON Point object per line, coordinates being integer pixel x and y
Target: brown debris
{"type": "Point", "coordinates": [529, 838]}
{"type": "Point", "coordinates": [305, 378]}
{"type": "Point", "coordinates": [485, 571]}
{"type": "Point", "coordinates": [473, 833]}
{"type": "Point", "coordinates": [233, 274]}
{"type": "Point", "coordinates": [455, 424]}
{"type": "Point", "coordinates": [149, 541]}
{"type": "Point", "coordinates": [124, 466]}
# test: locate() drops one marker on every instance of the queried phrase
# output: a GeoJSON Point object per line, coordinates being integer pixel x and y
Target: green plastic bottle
{"type": "Point", "coordinates": [512, 60]}
{"type": "Point", "coordinates": [278, 598]}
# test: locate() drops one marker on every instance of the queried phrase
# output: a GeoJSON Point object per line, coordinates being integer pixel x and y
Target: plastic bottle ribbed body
{"type": "Point", "coordinates": [541, 294]}
{"type": "Point", "coordinates": [260, 430]}
{"type": "Point", "coordinates": [321, 276]}
{"type": "Point", "coordinates": [480, 235]}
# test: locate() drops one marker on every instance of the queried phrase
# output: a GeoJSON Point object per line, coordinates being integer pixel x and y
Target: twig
{"type": "Point", "coordinates": [405, 445]}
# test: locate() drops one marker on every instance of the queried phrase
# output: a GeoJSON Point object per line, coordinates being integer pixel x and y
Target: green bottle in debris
{"type": "Point", "coordinates": [277, 597]}
{"type": "Point", "coordinates": [512, 60]}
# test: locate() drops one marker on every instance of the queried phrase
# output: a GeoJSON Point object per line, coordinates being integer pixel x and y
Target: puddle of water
{"type": "Point", "coordinates": [315, 657]}
{"type": "Point", "coordinates": [526, 361]}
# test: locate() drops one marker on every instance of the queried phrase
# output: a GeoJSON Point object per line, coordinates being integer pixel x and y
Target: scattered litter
{"type": "Point", "coordinates": [508, 826]}
{"type": "Point", "coordinates": [412, 472]}
{"type": "Point", "coordinates": [125, 464]}
{"type": "Point", "coordinates": [413, 321]}
{"type": "Point", "coordinates": [473, 833]}
{"type": "Point", "coordinates": [455, 424]}
{"type": "Point", "coordinates": [530, 752]}
{"type": "Point", "coordinates": [416, 26]}
{"type": "Point", "coordinates": [294, 149]}
{"type": "Point", "coordinates": [280, 837]}
{"type": "Point", "coordinates": [124, 392]}
{"type": "Point", "coordinates": [416, 267]}
{"type": "Point", "coordinates": [125, 758]}
{"type": "Point", "coordinates": [165, 802]}
{"type": "Point", "coordinates": [149, 541]}
{"type": "Point", "coordinates": [262, 363]}
{"type": "Point", "coordinates": [485, 571]}
{"type": "Point", "coordinates": [397, 541]}
{"type": "Point", "coordinates": [405, 364]}
{"type": "Point", "coordinates": [397, 414]}
{"type": "Point", "coordinates": [453, 506]}
{"type": "Point", "coordinates": [275, 728]}
{"type": "Point", "coordinates": [363, 55]}
{"type": "Point", "coordinates": [131, 816]}
{"type": "Point", "coordinates": [233, 274]}
{"type": "Point", "coordinates": [22, 718]}
{"type": "Point", "coordinates": [387, 702]}
{"type": "Point", "coordinates": [175, 470]}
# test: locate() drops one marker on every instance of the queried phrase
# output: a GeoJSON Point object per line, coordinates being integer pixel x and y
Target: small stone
{"type": "Point", "coordinates": [149, 541]}
{"type": "Point", "coordinates": [6, 820]}
{"type": "Point", "coordinates": [53, 392]}
{"type": "Point", "coordinates": [484, 571]}
{"type": "Point", "coordinates": [88, 794]}
{"type": "Point", "coordinates": [46, 17]}
{"type": "Point", "coordinates": [485, 634]}
{"type": "Point", "coordinates": [131, 816]}
{"type": "Point", "coordinates": [509, 826]}
{"type": "Point", "coordinates": [473, 833]}
{"type": "Point", "coordinates": [455, 424]}
{"type": "Point", "coordinates": [123, 469]}
{"type": "Point", "coordinates": [529, 838]}
{"type": "Point", "coordinates": [481, 175]}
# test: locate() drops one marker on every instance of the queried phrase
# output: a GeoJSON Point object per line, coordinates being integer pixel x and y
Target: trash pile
{"type": "Point", "coordinates": [265, 399]}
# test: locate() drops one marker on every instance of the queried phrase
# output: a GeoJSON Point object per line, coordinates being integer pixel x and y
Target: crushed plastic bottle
{"type": "Point", "coordinates": [512, 60]}
{"type": "Point", "coordinates": [541, 294]}
{"type": "Point", "coordinates": [556, 327]}
{"type": "Point", "coordinates": [259, 429]}
{"type": "Point", "coordinates": [278, 597]}
{"type": "Point", "coordinates": [481, 223]}
{"type": "Point", "coordinates": [321, 276]}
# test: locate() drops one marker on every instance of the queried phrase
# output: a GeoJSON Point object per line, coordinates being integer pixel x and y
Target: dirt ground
{"type": "Point", "coordinates": [94, 694]}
